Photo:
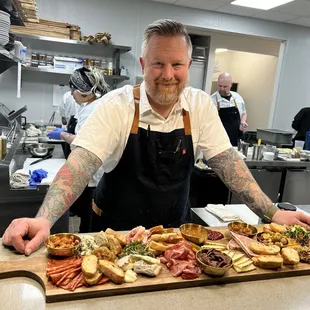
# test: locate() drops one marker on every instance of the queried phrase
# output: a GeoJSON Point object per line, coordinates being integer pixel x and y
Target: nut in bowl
{"type": "Point", "coordinates": [194, 233]}
{"type": "Point", "coordinates": [63, 244]}
{"type": "Point", "coordinates": [242, 229]}
{"type": "Point", "coordinates": [213, 262]}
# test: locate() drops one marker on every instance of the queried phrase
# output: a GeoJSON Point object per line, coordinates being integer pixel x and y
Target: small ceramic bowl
{"type": "Point", "coordinates": [194, 233]}
{"type": "Point", "coordinates": [242, 229]}
{"type": "Point", "coordinates": [64, 244]}
{"type": "Point", "coordinates": [210, 270]}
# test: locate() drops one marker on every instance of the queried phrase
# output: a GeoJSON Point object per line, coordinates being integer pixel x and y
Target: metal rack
{"type": "Point", "coordinates": [65, 46]}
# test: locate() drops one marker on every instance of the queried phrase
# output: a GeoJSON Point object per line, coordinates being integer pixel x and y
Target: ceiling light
{"type": "Point", "coordinates": [221, 50]}
{"type": "Point", "coordinates": [261, 4]}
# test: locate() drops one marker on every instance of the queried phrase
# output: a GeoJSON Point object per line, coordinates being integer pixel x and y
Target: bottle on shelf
{"type": "Point", "coordinates": [110, 68]}
{"type": "Point", "coordinates": [123, 71]}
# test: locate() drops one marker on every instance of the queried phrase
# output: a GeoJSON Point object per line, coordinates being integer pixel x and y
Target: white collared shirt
{"type": "Point", "coordinates": [106, 131]}
{"type": "Point", "coordinates": [68, 106]}
{"type": "Point", "coordinates": [224, 103]}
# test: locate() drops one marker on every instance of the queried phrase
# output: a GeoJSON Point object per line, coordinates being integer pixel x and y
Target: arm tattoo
{"type": "Point", "coordinates": [235, 174]}
{"type": "Point", "coordinates": [69, 183]}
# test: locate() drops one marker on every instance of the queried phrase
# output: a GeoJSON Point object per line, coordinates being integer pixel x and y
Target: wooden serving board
{"type": "Point", "coordinates": [34, 267]}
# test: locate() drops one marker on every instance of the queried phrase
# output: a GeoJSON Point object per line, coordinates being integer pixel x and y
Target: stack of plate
{"type": "Point", "coordinates": [4, 28]}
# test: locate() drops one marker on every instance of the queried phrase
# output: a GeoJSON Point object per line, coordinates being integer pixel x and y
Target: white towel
{"type": "Point", "coordinates": [225, 213]}
{"type": "Point", "coordinates": [20, 179]}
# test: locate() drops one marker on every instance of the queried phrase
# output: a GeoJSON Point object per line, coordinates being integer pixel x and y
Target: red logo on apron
{"type": "Point", "coordinates": [184, 151]}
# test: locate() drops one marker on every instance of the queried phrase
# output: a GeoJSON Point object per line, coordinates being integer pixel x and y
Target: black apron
{"type": "Point", "coordinates": [70, 129]}
{"type": "Point", "coordinates": [150, 184]}
{"type": "Point", "coordinates": [230, 118]}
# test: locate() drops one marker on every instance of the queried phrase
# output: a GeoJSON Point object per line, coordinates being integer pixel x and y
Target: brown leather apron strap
{"type": "Point", "coordinates": [187, 123]}
{"type": "Point", "coordinates": [135, 122]}
{"type": "Point", "coordinates": [218, 105]}
{"type": "Point", "coordinates": [95, 208]}
{"type": "Point", "coordinates": [235, 103]}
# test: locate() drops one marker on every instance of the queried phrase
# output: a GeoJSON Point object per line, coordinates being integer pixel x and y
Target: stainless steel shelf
{"type": "Point", "coordinates": [7, 60]}
{"type": "Point", "coordinates": [55, 45]}
{"type": "Point", "coordinates": [69, 72]}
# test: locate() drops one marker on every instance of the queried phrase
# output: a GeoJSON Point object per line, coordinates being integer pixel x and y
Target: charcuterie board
{"type": "Point", "coordinates": [34, 267]}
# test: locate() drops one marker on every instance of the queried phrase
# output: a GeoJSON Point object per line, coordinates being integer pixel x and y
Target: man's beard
{"type": "Point", "coordinates": [165, 96]}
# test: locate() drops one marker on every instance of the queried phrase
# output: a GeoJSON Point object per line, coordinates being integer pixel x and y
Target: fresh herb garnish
{"type": "Point", "coordinates": [300, 234]}
{"type": "Point", "coordinates": [135, 247]}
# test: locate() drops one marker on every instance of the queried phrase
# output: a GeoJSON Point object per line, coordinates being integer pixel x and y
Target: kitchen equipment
{"type": "Point", "coordinates": [39, 160]}
{"type": "Point", "coordinates": [41, 149]}
{"type": "Point", "coordinates": [275, 136]}
{"type": "Point", "coordinates": [243, 147]}
{"type": "Point", "coordinates": [257, 152]}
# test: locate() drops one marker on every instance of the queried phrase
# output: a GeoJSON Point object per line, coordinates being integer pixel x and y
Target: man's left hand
{"type": "Point", "coordinates": [292, 218]}
{"type": "Point", "coordinates": [243, 126]}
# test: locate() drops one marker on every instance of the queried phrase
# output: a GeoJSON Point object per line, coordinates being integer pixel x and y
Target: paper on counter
{"type": "Point", "coordinates": [244, 212]}
{"type": "Point", "coordinates": [225, 213]}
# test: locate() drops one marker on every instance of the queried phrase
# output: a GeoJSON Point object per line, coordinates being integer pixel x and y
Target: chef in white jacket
{"type": "Point", "coordinates": [67, 108]}
{"type": "Point", "coordinates": [86, 87]}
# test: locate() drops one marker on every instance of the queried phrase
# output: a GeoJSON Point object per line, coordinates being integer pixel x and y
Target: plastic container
{"type": "Point", "coordinates": [299, 144]}
{"type": "Point", "coordinates": [269, 156]}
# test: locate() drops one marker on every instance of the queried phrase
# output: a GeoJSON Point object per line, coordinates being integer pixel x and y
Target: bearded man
{"type": "Point", "coordinates": [147, 138]}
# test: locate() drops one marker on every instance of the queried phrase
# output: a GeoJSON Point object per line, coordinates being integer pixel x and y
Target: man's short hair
{"type": "Point", "coordinates": [166, 28]}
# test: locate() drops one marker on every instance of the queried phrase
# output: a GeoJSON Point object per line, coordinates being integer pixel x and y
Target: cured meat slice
{"type": "Point", "coordinates": [244, 243]}
{"type": "Point", "coordinates": [180, 259]}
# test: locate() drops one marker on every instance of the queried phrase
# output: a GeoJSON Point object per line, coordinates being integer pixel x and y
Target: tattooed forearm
{"type": "Point", "coordinates": [69, 183]}
{"type": "Point", "coordinates": [234, 173]}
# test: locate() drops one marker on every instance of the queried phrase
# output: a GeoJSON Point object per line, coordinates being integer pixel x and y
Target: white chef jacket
{"type": "Point", "coordinates": [224, 103]}
{"type": "Point", "coordinates": [106, 131]}
{"type": "Point", "coordinates": [68, 106]}
{"type": "Point", "coordinates": [81, 116]}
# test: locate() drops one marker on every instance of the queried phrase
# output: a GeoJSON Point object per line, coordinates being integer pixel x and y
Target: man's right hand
{"type": "Point", "coordinates": [35, 229]}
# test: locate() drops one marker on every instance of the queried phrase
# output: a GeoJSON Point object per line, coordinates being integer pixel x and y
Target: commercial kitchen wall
{"type": "Point", "coordinates": [255, 75]}
{"type": "Point", "coordinates": [126, 20]}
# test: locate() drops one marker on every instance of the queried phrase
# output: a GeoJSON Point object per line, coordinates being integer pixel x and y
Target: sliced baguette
{"type": "Point", "coordinates": [158, 246]}
{"type": "Point", "coordinates": [94, 279]}
{"type": "Point", "coordinates": [290, 256]}
{"type": "Point", "coordinates": [119, 236]}
{"type": "Point", "coordinates": [167, 238]}
{"type": "Point", "coordinates": [263, 249]}
{"type": "Point", "coordinates": [112, 271]}
{"type": "Point", "coordinates": [268, 261]}
{"type": "Point", "coordinates": [114, 244]}
{"type": "Point", "coordinates": [89, 265]}
{"type": "Point", "coordinates": [157, 230]}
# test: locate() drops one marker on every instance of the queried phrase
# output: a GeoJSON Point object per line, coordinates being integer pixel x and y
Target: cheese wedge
{"type": "Point", "coordinates": [237, 257]}
{"type": "Point", "coordinates": [230, 254]}
{"type": "Point", "coordinates": [242, 260]}
{"type": "Point", "coordinates": [217, 247]}
{"type": "Point", "coordinates": [245, 269]}
{"type": "Point", "coordinates": [245, 264]}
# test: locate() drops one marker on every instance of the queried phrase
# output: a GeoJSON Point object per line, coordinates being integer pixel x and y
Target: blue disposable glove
{"type": "Point", "coordinates": [37, 176]}
{"type": "Point", "coordinates": [55, 134]}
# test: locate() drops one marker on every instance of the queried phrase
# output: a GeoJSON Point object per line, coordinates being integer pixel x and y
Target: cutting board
{"type": "Point", "coordinates": [34, 268]}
